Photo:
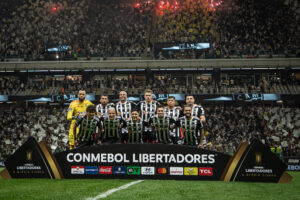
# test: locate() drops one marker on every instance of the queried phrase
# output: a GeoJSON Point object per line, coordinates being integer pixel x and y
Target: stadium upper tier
{"type": "Point", "coordinates": [192, 64]}
{"type": "Point", "coordinates": [69, 29]}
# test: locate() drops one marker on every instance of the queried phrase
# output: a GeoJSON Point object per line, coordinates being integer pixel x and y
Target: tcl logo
{"type": "Point", "coordinates": [205, 171]}
{"type": "Point", "coordinates": [105, 170]}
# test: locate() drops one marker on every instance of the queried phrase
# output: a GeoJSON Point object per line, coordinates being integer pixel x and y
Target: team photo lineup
{"type": "Point", "coordinates": [149, 99]}
{"type": "Point", "coordinates": [127, 122]}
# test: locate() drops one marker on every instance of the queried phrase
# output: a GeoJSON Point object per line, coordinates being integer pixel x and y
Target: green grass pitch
{"type": "Point", "coordinates": [42, 189]}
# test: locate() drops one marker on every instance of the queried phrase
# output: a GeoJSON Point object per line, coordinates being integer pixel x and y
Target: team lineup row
{"type": "Point", "coordinates": [127, 122]}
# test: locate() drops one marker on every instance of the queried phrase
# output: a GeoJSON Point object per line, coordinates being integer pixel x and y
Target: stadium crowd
{"type": "Point", "coordinates": [96, 84]}
{"type": "Point", "coordinates": [121, 28]}
{"type": "Point", "coordinates": [227, 126]}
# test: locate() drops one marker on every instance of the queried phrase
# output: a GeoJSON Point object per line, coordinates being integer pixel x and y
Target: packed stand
{"type": "Point", "coordinates": [99, 84]}
{"type": "Point", "coordinates": [88, 28]}
{"type": "Point", "coordinates": [30, 29]}
{"type": "Point", "coordinates": [43, 123]}
{"type": "Point", "coordinates": [228, 126]}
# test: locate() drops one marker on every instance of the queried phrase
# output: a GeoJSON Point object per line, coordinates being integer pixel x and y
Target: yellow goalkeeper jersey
{"type": "Point", "coordinates": [78, 108]}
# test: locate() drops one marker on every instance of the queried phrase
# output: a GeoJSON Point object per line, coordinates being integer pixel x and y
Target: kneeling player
{"type": "Point", "coordinates": [112, 126]}
{"type": "Point", "coordinates": [88, 132]}
{"type": "Point", "coordinates": [191, 128]}
{"type": "Point", "coordinates": [162, 125]}
{"type": "Point", "coordinates": [135, 127]}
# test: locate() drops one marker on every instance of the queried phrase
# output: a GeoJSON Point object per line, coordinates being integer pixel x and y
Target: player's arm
{"type": "Point", "coordinates": [172, 124]}
{"type": "Point", "coordinates": [123, 123]}
{"type": "Point", "coordinates": [70, 112]}
{"type": "Point", "coordinates": [139, 108]}
{"type": "Point", "coordinates": [98, 133]}
{"type": "Point", "coordinates": [200, 130]}
{"type": "Point", "coordinates": [77, 123]}
{"type": "Point", "coordinates": [101, 130]}
{"type": "Point", "coordinates": [149, 122]}
{"type": "Point", "coordinates": [202, 115]}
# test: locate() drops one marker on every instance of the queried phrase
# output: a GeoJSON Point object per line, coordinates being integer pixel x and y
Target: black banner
{"type": "Point", "coordinates": [29, 162]}
{"type": "Point", "coordinates": [256, 163]}
{"type": "Point", "coordinates": [146, 161]}
{"type": "Point", "coordinates": [251, 163]}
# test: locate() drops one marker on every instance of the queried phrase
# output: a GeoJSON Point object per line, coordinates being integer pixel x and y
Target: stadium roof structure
{"type": "Point", "coordinates": [152, 64]}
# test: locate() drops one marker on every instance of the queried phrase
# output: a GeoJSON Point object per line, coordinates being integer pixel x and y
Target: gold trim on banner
{"type": "Point", "coordinates": [51, 160]}
{"type": "Point", "coordinates": [285, 178]}
{"type": "Point", "coordinates": [232, 165]}
{"type": "Point", "coordinates": [5, 174]}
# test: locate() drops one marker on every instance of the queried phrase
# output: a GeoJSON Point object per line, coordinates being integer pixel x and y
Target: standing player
{"type": "Point", "coordinates": [104, 105]}
{"type": "Point", "coordinates": [124, 107]}
{"type": "Point", "coordinates": [112, 126]}
{"type": "Point", "coordinates": [162, 125]}
{"type": "Point", "coordinates": [147, 109]}
{"type": "Point", "coordinates": [175, 113]}
{"type": "Point", "coordinates": [191, 128]}
{"type": "Point", "coordinates": [148, 106]}
{"type": "Point", "coordinates": [77, 108]}
{"type": "Point", "coordinates": [135, 127]}
{"type": "Point", "coordinates": [89, 125]}
{"type": "Point", "coordinates": [197, 110]}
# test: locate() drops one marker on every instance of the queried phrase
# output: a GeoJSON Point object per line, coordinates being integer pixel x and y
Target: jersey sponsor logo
{"type": "Point", "coordinates": [91, 170]}
{"type": "Point", "coordinates": [205, 171]}
{"type": "Point", "coordinates": [176, 170]}
{"type": "Point", "coordinates": [133, 170]}
{"type": "Point", "coordinates": [105, 170]}
{"type": "Point", "coordinates": [77, 169]}
{"type": "Point", "coordinates": [191, 171]}
{"type": "Point", "coordinates": [148, 171]}
{"type": "Point", "coordinates": [162, 170]}
{"type": "Point", "coordinates": [119, 170]}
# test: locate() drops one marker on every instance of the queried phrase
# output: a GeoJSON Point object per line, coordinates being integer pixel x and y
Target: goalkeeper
{"type": "Point", "coordinates": [77, 108]}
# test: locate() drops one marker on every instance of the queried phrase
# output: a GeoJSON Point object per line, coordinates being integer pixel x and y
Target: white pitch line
{"type": "Point", "coordinates": [109, 192]}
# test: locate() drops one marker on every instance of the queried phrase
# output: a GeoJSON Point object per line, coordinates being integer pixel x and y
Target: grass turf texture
{"type": "Point", "coordinates": [149, 189]}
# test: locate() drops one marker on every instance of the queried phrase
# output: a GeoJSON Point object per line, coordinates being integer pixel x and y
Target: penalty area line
{"type": "Point", "coordinates": [111, 191]}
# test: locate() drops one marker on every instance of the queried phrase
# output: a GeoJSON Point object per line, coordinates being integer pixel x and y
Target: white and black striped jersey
{"type": "Point", "coordinates": [162, 128]}
{"type": "Point", "coordinates": [191, 129]}
{"type": "Point", "coordinates": [147, 110]}
{"type": "Point", "coordinates": [135, 131]}
{"type": "Point", "coordinates": [87, 128]}
{"type": "Point", "coordinates": [124, 109]}
{"type": "Point", "coordinates": [112, 128]}
{"type": "Point", "coordinates": [102, 110]}
{"type": "Point", "coordinates": [175, 113]}
{"type": "Point", "coordinates": [197, 111]}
